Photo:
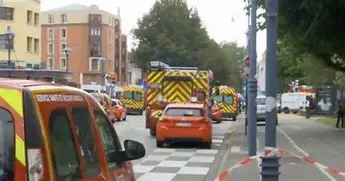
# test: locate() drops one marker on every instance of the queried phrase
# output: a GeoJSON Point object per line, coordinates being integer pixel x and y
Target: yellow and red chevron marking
{"type": "Point", "coordinates": [177, 91]}
{"type": "Point", "coordinates": [12, 100]}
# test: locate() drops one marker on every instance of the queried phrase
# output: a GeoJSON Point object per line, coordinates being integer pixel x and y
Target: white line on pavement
{"type": "Point", "coordinates": [258, 160]}
{"type": "Point", "coordinates": [330, 177]}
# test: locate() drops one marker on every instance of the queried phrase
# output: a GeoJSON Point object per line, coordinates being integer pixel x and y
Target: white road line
{"type": "Point", "coordinates": [258, 160]}
{"type": "Point", "coordinates": [235, 149]}
{"type": "Point", "coordinates": [330, 177]}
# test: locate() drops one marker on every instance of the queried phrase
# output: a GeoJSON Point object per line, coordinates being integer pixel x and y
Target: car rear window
{"type": "Point", "coordinates": [183, 112]}
{"type": "Point", "coordinates": [6, 145]}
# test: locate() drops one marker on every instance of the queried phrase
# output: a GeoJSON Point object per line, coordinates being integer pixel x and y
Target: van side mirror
{"type": "Point", "coordinates": [134, 150]}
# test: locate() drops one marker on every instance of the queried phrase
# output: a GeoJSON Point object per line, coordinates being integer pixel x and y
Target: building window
{"type": "Point", "coordinates": [36, 45]}
{"type": "Point", "coordinates": [51, 18]}
{"type": "Point", "coordinates": [6, 13]}
{"type": "Point", "coordinates": [96, 31]}
{"type": "Point", "coordinates": [29, 44]}
{"type": "Point", "coordinates": [64, 18]}
{"type": "Point", "coordinates": [63, 47]}
{"type": "Point", "coordinates": [110, 32]}
{"type": "Point", "coordinates": [110, 48]}
{"type": "Point", "coordinates": [63, 33]}
{"type": "Point", "coordinates": [50, 34]}
{"type": "Point", "coordinates": [51, 63]}
{"type": "Point", "coordinates": [63, 63]}
{"type": "Point", "coordinates": [36, 19]}
{"type": "Point", "coordinates": [29, 17]}
{"type": "Point", "coordinates": [95, 50]}
{"type": "Point", "coordinates": [94, 64]}
{"type": "Point", "coordinates": [50, 49]}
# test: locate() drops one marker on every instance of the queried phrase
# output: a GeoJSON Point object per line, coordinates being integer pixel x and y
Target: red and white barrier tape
{"type": "Point", "coordinates": [270, 152]}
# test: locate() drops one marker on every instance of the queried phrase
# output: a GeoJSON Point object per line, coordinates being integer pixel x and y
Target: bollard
{"type": "Point", "coordinates": [270, 168]}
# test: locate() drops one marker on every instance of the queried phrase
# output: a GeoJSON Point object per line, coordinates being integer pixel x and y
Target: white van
{"type": "Point", "coordinates": [293, 101]}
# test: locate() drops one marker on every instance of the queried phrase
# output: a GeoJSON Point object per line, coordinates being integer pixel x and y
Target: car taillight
{"type": "Point", "coordinates": [35, 167]}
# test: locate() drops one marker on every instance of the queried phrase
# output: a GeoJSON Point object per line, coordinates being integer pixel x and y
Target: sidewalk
{"type": "Point", "coordinates": [292, 168]}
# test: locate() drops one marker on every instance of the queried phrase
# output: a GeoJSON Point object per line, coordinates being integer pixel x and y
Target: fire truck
{"type": "Point", "coordinates": [166, 84]}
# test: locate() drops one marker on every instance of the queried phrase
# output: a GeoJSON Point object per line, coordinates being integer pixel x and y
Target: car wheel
{"type": "Point", "coordinates": [234, 118]}
{"type": "Point", "coordinates": [140, 112]}
{"type": "Point", "coordinates": [152, 132]}
{"type": "Point", "coordinates": [286, 110]}
{"type": "Point", "coordinates": [159, 144]}
{"type": "Point", "coordinates": [124, 118]}
{"type": "Point", "coordinates": [207, 145]}
{"type": "Point", "coordinates": [219, 121]}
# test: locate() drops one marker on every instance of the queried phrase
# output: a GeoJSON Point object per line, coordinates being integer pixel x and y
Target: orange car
{"type": "Point", "coordinates": [184, 122]}
{"type": "Point", "coordinates": [120, 110]}
{"type": "Point", "coordinates": [216, 114]}
{"type": "Point", "coordinates": [52, 133]}
{"type": "Point", "coordinates": [114, 112]}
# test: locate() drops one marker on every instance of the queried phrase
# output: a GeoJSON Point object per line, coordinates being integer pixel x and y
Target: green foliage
{"type": "Point", "coordinates": [172, 33]}
{"type": "Point", "coordinates": [314, 27]}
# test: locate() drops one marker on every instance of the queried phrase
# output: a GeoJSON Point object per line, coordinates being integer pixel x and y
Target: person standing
{"type": "Point", "coordinates": [340, 115]}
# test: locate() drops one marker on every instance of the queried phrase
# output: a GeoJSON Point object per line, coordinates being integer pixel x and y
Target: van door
{"type": "Point", "coordinates": [72, 150]}
{"type": "Point", "coordinates": [111, 145]}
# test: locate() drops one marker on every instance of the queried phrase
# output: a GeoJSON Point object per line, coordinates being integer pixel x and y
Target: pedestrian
{"type": "Point", "coordinates": [340, 115]}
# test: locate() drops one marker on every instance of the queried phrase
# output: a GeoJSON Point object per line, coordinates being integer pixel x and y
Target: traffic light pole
{"type": "Point", "coordinates": [270, 164]}
{"type": "Point", "coordinates": [252, 83]}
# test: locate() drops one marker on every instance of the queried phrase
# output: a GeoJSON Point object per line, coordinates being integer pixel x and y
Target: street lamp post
{"type": "Point", "coordinates": [103, 71]}
{"type": "Point", "coordinates": [252, 83]}
{"type": "Point", "coordinates": [9, 45]}
{"type": "Point", "coordinates": [270, 164]}
{"type": "Point", "coordinates": [67, 51]}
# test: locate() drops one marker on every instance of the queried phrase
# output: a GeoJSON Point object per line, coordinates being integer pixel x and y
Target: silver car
{"type": "Point", "coordinates": [260, 107]}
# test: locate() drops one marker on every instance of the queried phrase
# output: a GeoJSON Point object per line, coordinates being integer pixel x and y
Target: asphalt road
{"type": "Point", "coordinates": [180, 162]}
{"type": "Point", "coordinates": [298, 136]}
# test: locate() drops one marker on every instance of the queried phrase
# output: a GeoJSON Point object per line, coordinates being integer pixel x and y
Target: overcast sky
{"type": "Point", "coordinates": [216, 15]}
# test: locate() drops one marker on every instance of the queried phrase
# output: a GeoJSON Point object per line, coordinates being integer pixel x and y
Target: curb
{"type": "Point", "coordinates": [222, 155]}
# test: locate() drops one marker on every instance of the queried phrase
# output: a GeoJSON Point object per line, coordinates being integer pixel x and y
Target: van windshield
{"type": "Point", "coordinates": [6, 146]}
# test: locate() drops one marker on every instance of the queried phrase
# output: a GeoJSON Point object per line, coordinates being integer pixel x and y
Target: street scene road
{"type": "Point", "coordinates": [178, 162]}
{"type": "Point", "coordinates": [298, 137]}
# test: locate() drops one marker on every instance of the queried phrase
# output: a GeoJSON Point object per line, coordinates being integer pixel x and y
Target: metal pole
{"type": "Point", "coordinates": [252, 83]}
{"type": "Point", "coordinates": [9, 51]}
{"type": "Point", "coordinates": [67, 60]}
{"type": "Point", "coordinates": [270, 165]}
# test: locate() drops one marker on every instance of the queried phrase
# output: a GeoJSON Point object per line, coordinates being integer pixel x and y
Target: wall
{"type": "Point", "coordinates": [22, 30]}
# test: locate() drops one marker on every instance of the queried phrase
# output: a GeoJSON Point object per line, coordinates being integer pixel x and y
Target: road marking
{"type": "Point", "coordinates": [330, 177]}
{"type": "Point", "coordinates": [258, 160]}
{"type": "Point", "coordinates": [235, 149]}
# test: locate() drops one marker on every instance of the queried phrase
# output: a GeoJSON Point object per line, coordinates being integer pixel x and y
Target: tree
{"type": "Point", "coordinates": [234, 62]}
{"type": "Point", "coordinates": [315, 27]}
{"type": "Point", "coordinates": [172, 33]}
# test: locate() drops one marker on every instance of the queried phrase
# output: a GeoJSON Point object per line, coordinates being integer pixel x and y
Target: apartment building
{"type": "Point", "coordinates": [84, 40]}
{"type": "Point", "coordinates": [261, 72]}
{"type": "Point", "coordinates": [20, 23]}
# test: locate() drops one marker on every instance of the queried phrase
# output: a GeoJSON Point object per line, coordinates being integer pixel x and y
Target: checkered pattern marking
{"type": "Point", "coordinates": [167, 164]}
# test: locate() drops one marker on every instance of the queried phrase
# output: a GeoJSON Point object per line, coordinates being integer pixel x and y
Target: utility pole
{"type": "Point", "coordinates": [270, 164]}
{"type": "Point", "coordinates": [252, 83]}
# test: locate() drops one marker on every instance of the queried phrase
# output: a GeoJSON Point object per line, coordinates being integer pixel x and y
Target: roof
{"type": "Point", "coordinates": [186, 105]}
{"type": "Point", "coordinates": [71, 7]}
{"type": "Point", "coordinates": [23, 83]}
